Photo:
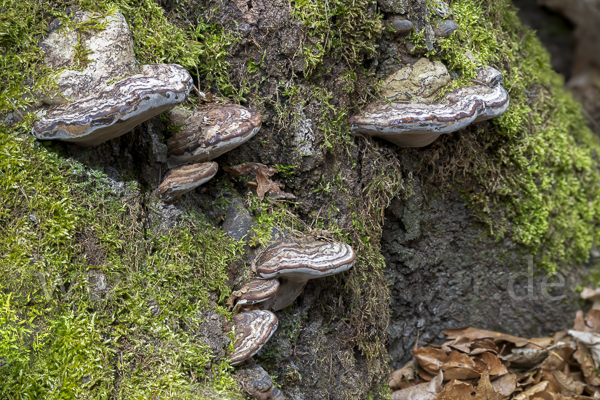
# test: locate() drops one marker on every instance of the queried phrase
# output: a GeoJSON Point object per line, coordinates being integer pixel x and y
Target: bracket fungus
{"type": "Point", "coordinates": [210, 131]}
{"type": "Point", "coordinates": [296, 262]}
{"type": "Point", "coordinates": [252, 330]}
{"type": "Point", "coordinates": [118, 108]}
{"type": "Point", "coordinates": [181, 180]}
{"type": "Point", "coordinates": [255, 292]}
{"type": "Point", "coordinates": [418, 123]}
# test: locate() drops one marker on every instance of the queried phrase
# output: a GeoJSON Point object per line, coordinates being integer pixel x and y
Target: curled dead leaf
{"type": "Point", "coordinates": [506, 384]}
{"type": "Point", "coordinates": [430, 359]}
{"type": "Point", "coordinates": [263, 183]}
{"type": "Point", "coordinates": [474, 334]}
{"type": "Point", "coordinates": [492, 364]}
{"type": "Point", "coordinates": [456, 390]}
{"type": "Point", "coordinates": [529, 393]}
{"type": "Point", "coordinates": [424, 391]}
{"type": "Point", "coordinates": [407, 373]}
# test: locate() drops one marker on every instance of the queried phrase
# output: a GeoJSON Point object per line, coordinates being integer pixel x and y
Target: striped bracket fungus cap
{"type": "Point", "coordinates": [210, 131]}
{"type": "Point", "coordinates": [297, 262]}
{"type": "Point", "coordinates": [305, 260]}
{"type": "Point", "coordinates": [181, 180]}
{"type": "Point", "coordinates": [252, 330]}
{"type": "Point", "coordinates": [256, 291]}
{"type": "Point", "coordinates": [417, 124]}
{"type": "Point", "coordinates": [118, 108]}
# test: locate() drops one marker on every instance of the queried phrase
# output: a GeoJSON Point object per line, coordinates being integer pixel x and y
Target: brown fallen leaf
{"type": "Point", "coordinates": [532, 391]}
{"type": "Point", "coordinates": [558, 357]}
{"type": "Point", "coordinates": [456, 390]}
{"type": "Point", "coordinates": [592, 295]}
{"type": "Point", "coordinates": [263, 183]}
{"type": "Point", "coordinates": [485, 345]}
{"type": "Point", "coordinates": [407, 373]}
{"type": "Point", "coordinates": [590, 373]}
{"type": "Point", "coordinates": [592, 321]}
{"type": "Point", "coordinates": [569, 387]}
{"type": "Point", "coordinates": [423, 391]}
{"type": "Point", "coordinates": [579, 322]}
{"type": "Point", "coordinates": [553, 384]}
{"type": "Point", "coordinates": [506, 384]}
{"type": "Point", "coordinates": [540, 343]}
{"type": "Point", "coordinates": [473, 334]}
{"type": "Point", "coordinates": [526, 358]}
{"type": "Point", "coordinates": [430, 359]}
{"type": "Point", "coordinates": [426, 376]}
{"type": "Point", "coordinates": [459, 366]}
{"type": "Point", "coordinates": [461, 343]}
{"type": "Point", "coordinates": [492, 364]}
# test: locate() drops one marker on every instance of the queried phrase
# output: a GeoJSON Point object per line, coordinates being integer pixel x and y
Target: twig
{"type": "Point", "coordinates": [592, 119]}
{"type": "Point", "coordinates": [16, 109]}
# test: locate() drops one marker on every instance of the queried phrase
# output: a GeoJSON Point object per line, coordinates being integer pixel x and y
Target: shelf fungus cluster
{"type": "Point", "coordinates": [409, 117]}
{"type": "Point", "coordinates": [203, 135]}
{"type": "Point", "coordinates": [296, 262]}
{"type": "Point", "coordinates": [283, 268]}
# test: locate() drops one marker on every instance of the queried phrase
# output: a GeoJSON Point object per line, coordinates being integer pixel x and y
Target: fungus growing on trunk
{"type": "Point", "coordinates": [117, 109]}
{"type": "Point", "coordinates": [181, 180]}
{"type": "Point", "coordinates": [210, 131]}
{"type": "Point", "coordinates": [417, 124]}
{"type": "Point", "coordinates": [255, 292]}
{"type": "Point", "coordinates": [252, 330]}
{"type": "Point", "coordinates": [295, 262]}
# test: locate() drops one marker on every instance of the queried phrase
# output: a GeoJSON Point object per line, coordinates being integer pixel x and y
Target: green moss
{"type": "Point", "coordinates": [337, 28]}
{"type": "Point", "coordinates": [201, 48]}
{"type": "Point", "coordinates": [61, 225]}
{"type": "Point", "coordinates": [536, 171]}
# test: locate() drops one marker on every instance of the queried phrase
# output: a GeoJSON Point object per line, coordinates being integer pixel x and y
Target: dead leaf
{"type": "Point", "coordinates": [559, 355]}
{"type": "Point", "coordinates": [484, 344]}
{"type": "Point", "coordinates": [407, 372]}
{"type": "Point", "coordinates": [264, 184]}
{"type": "Point", "coordinates": [540, 343]}
{"type": "Point", "coordinates": [527, 395]}
{"type": "Point", "coordinates": [424, 391]}
{"type": "Point", "coordinates": [568, 386]}
{"type": "Point", "coordinates": [591, 341]}
{"type": "Point", "coordinates": [459, 366]}
{"type": "Point", "coordinates": [492, 364]}
{"type": "Point", "coordinates": [430, 359]}
{"type": "Point", "coordinates": [506, 384]}
{"type": "Point", "coordinates": [456, 390]}
{"type": "Point", "coordinates": [579, 323]}
{"type": "Point", "coordinates": [526, 358]}
{"type": "Point", "coordinates": [461, 343]}
{"type": "Point", "coordinates": [592, 321]}
{"type": "Point", "coordinates": [474, 334]}
{"type": "Point", "coordinates": [424, 374]}
{"type": "Point", "coordinates": [592, 295]}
